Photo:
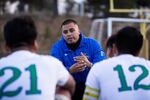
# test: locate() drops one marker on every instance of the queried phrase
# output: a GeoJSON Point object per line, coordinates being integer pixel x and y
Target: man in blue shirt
{"type": "Point", "coordinates": [78, 53]}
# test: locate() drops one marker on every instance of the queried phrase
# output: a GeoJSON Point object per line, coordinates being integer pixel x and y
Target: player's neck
{"type": "Point", "coordinates": [28, 48]}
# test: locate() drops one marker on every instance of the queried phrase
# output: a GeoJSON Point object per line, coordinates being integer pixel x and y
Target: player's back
{"type": "Point", "coordinates": [28, 76]}
{"type": "Point", "coordinates": [123, 78]}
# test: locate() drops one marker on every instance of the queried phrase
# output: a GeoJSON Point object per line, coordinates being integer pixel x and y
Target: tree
{"type": "Point", "coordinates": [55, 7]}
{"type": "Point", "coordinates": [99, 8]}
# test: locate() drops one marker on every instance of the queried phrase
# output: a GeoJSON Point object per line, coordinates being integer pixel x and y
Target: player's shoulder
{"type": "Point", "coordinates": [106, 63]}
{"type": "Point", "coordinates": [112, 59]}
{"type": "Point", "coordinates": [49, 58]}
{"type": "Point", "coordinates": [2, 59]}
{"type": "Point", "coordinates": [142, 60]}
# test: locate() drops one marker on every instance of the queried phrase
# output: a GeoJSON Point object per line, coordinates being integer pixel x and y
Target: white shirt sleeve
{"type": "Point", "coordinates": [92, 80]}
{"type": "Point", "coordinates": [63, 75]}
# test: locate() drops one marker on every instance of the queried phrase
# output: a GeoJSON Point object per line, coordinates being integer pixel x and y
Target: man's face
{"type": "Point", "coordinates": [70, 33]}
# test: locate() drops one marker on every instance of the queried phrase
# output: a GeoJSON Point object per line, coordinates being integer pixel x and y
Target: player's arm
{"type": "Point", "coordinates": [65, 92]}
{"type": "Point", "coordinates": [92, 89]}
{"type": "Point", "coordinates": [62, 94]}
{"type": "Point", "coordinates": [90, 93]}
{"type": "Point", "coordinates": [70, 85]}
{"type": "Point", "coordinates": [65, 81]}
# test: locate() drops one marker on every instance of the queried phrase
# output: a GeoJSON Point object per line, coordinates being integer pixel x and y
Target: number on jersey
{"type": "Point", "coordinates": [136, 85]}
{"type": "Point", "coordinates": [16, 75]}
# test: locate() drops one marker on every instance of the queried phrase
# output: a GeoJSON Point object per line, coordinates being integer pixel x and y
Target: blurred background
{"type": "Point", "coordinates": [98, 19]}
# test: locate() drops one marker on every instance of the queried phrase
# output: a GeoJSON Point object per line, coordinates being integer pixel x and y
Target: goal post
{"type": "Point", "coordinates": [125, 10]}
{"type": "Point", "coordinates": [103, 28]}
{"type": "Point", "coordinates": [109, 26]}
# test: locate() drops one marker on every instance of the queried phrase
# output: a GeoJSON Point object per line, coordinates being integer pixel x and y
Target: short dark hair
{"type": "Point", "coordinates": [110, 41]}
{"type": "Point", "coordinates": [20, 31]}
{"type": "Point", "coordinates": [68, 21]}
{"type": "Point", "coordinates": [129, 40]}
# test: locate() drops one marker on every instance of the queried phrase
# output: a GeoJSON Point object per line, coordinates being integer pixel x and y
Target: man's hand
{"type": "Point", "coordinates": [77, 67]}
{"type": "Point", "coordinates": [83, 59]}
{"type": "Point", "coordinates": [82, 63]}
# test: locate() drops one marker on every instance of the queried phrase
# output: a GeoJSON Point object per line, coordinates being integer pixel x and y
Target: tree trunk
{"type": "Point", "coordinates": [55, 8]}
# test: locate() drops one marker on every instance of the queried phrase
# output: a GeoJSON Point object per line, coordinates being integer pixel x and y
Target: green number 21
{"type": "Point", "coordinates": [16, 74]}
{"type": "Point", "coordinates": [136, 85]}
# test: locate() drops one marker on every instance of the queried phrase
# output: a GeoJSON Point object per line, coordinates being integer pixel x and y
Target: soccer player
{"type": "Point", "coordinates": [25, 75]}
{"type": "Point", "coordinates": [124, 77]}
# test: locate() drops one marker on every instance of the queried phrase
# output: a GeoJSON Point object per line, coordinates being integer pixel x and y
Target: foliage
{"type": "Point", "coordinates": [96, 6]}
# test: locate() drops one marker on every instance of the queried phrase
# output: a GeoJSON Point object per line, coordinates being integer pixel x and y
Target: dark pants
{"type": "Point", "coordinates": [79, 91]}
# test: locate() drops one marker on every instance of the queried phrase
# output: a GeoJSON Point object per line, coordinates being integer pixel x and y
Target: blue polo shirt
{"type": "Point", "coordinates": [88, 46]}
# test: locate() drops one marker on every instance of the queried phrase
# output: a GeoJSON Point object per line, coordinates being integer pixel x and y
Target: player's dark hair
{"type": "Point", "coordinates": [111, 40]}
{"type": "Point", "coordinates": [68, 21]}
{"type": "Point", "coordinates": [20, 31]}
{"type": "Point", "coordinates": [129, 40]}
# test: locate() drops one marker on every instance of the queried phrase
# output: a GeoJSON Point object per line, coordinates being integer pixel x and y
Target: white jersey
{"type": "Point", "coordinates": [29, 76]}
{"type": "Point", "coordinates": [121, 78]}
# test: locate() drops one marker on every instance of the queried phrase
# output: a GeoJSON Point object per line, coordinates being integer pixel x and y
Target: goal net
{"type": "Point", "coordinates": [103, 28]}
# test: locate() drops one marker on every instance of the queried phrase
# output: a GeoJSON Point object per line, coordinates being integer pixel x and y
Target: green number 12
{"type": "Point", "coordinates": [16, 74]}
{"type": "Point", "coordinates": [136, 85]}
